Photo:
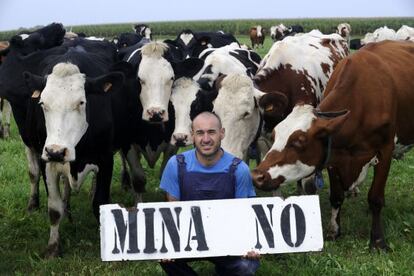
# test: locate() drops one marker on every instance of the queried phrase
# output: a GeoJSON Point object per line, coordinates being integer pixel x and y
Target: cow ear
{"type": "Point", "coordinates": [328, 123]}
{"type": "Point", "coordinates": [35, 83]}
{"type": "Point", "coordinates": [125, 67]}
{"type": "Point", "coordinates": [203, 41]}
{"type": "Point", "coordinates": [106, 83]}
{"type": "Point", "coordinates": [187, 68]}
{"type": "Point", "coordinates": [274, 104]}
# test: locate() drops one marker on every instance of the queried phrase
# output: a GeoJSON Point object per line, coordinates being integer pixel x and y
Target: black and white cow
{"type": "Point", "coordinates": [279, 32]}
{"type": "Point", "coordinates": [156, 66]}
{"type": "Point", "coordinates": [80, 101]}
{"type": "Point", "coordinates": [192, 96]}
{"type": "Point", "coordinates": [24, 54]}
{"type": "Point", "coordinates": [193, 43]}
{"type": "Point", "coordinates": [143, 30]}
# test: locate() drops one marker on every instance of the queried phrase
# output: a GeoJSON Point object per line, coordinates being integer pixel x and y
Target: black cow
{"type": "Point", "coordinates": [193, 43]}
{"type": "Point", "coordinates": [84, 118]}
{"type": "Point", "coordinates": [127, 39]}
{"type": "Point", "coordinates": [23, 55]}
{"type": "Point", "coordinates": [355, 44]}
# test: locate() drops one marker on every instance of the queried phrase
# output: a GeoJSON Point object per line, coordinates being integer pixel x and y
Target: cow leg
{"type": "Point", "coordinates": [56, 209]}
{"type": "Point", "coordinates": [336, 198]}
{"type": "Point", "coordinates": [133, 157]}
{"type": "Point", "coordinates": [125, 178]}
{"type": "Point", "coordinates": [376, 198]}
{"type": "Point", "coordinates": [169, 151]}
{"type": "Point", "coordinates": [103, 183]}
{"type": "Point", "coordinates": [34, 176]}
{"type": "Point", "coordinates": [6, 122]}
{"type": "Point", "coordinates": [66, 197]}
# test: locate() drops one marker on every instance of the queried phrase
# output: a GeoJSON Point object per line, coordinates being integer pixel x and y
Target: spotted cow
{"type": "Point", "coordinates": [344, 30]}
{"type": "Point", "coordinates": [355, 126]}
{"type": "Point", "coordinates": [257, 36]}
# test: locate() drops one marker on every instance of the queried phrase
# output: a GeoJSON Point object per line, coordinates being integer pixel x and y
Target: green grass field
{"type": "Point", "coordinates": [24, 236]}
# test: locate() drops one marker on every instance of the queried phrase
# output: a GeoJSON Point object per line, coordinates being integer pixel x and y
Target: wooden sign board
{"type": "Point", "coordinates": [193, 229]}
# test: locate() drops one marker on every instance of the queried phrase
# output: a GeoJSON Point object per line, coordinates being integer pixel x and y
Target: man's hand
{"type": "Point", "coordinates": [252, 255]}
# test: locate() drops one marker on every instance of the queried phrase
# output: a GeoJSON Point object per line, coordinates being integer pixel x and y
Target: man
{"type": "Point", "coordinates": [208, 172]}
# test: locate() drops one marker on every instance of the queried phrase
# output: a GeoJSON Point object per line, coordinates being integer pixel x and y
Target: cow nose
{"type": "Point", "coordinates": [258, 178]}
{"type": "Point", "coordinates": [55, 154]}
{"type": "Point", "coordinates": [156, 114]}
{"type": "Point", "coordinates": [180, 139]}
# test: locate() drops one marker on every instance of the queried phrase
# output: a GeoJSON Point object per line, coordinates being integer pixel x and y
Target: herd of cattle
{"type": "Point", "coordinates": [307, 105]}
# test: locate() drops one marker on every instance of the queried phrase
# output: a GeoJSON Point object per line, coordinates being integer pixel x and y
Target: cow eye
{"type": "Point", "coordinates": [246, 114]}
{"type": "Point", "coordinates": [81, 103]}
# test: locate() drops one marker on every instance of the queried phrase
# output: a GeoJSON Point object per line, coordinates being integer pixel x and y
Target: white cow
{"type": "Point", "coordinates": [405, 33]}
{"type": "Point", "coordinates": [380, 34]}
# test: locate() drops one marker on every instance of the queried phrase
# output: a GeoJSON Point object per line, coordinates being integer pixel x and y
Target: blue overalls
{"type": "Point", "coordinates": [203, 186]}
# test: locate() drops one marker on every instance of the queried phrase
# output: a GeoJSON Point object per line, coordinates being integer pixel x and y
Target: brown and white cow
{"type": "Point", "coordinates": [372, 94]}
{"type": "Point", "coordinates": [344, 30]}
{"type": "Point", "coordinates": [257, 36]}
{"type": "Point", "coordinates": [298, 68]}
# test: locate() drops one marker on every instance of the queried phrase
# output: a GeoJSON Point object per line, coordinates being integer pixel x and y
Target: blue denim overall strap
{"type": "Point", "coordinates": [202, 186]}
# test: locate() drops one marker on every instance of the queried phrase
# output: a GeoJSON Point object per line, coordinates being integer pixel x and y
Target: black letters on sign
{"type": "Point", "coordinates": [264, 224]}
{"type": "Point", "coordinates": [199, 229]}
{"type": "Point", "coordinates": [171, 228]}
{"type": "Point", "coordinates": [300, 225]}
{"type": "Point", "coordinates": [121, 229]}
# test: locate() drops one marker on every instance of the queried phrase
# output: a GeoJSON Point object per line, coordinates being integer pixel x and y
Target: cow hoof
{"type": "Point", "coordinates": [52, 251]}
{"type": "Point", "coordinates": [333, 235]}
{"type": "Point", "coordinates": [379, 244]}
{"type": "Point", "coordinates": [33, 204]}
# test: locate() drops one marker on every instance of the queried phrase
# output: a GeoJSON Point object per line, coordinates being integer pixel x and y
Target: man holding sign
{"type": "Point", "coordinates": [205, 173]}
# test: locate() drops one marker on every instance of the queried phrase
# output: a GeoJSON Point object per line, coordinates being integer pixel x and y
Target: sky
{"type": "Point", "coordinates": [29, 13]}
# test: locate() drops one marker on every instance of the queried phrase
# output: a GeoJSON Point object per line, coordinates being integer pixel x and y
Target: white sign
{"type": "Point", "coordinates": [192, 229]}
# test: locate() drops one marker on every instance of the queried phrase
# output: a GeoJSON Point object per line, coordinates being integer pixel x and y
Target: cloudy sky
{"type": "Point", "coordinates": [29, 13]}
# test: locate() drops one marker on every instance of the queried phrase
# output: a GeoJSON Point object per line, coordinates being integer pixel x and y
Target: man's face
{"type": "Point", "coordinates": [207, 135]}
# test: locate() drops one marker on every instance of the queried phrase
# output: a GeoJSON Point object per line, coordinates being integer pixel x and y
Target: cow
{"type": "Point", "coordinates": [405, 33]}
{"type": "Point", "coordinates": [295, 70]}
{"type": "Point", "coordinates": [380, 34]}
{"type": "Point", "coordinates": [344, 30]}
{"type": "Point", "coordinates": [143, 30]}
{"type": "Point", "coordinates": [355, 44]}
{"type": "Point", "coordinates": [13, 88]}
{"type": "Point", "coordinates": [257, 36]}
{"type": "Point", "coordinates": [156, 66]}
{"type": "Point", "coordinates": [193, 43]}
{"type": "Point", "coordinates": [279, 32]}
{"type": "Point", "coordinates": [79, 99]}
{"type": "Point", "coordinates": [193, 96]}
{"type": "Point", "coordinates": [355, 126]}
{"type": "Point", "coordinates": [124, 40]}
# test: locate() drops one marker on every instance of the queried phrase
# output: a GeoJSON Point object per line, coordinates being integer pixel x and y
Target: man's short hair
{"type": "Point", "coordinates": [210, 114]}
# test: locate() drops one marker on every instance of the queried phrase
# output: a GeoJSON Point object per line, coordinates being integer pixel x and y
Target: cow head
{"type": "Point", "coordinates": [236, 104]}
{"type": "Point", "coordinates": [183, 94]}
{"type": "Point", "coordinates": [157, 70]}
{"type": "Point", "coordinates": [298, 147]}
{"type": "Point", "coordinates": [63, 98]}
{"type": "Point", "coordinates": [44, 38]}
{"type": "Point", "coordinates": [344, 30]}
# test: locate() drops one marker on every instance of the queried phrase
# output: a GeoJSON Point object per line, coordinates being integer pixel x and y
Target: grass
{"type": "Point", "coordinates": [24, 236]}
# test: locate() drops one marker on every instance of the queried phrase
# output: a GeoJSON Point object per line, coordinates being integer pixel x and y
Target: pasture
{"type": "Point", "coordinates": [24, 236]}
